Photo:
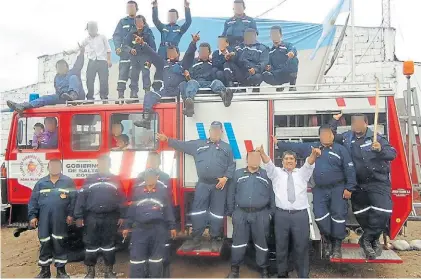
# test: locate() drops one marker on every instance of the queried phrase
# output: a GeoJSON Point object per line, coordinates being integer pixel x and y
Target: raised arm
{"type": "Point", "coordinates": [158, 62]}
{"type": "Point", "coordinates": [268, 165]}
{"type": "Point", "coordinates": [158, 24]}
{"type": "Point", "coordinates": [188, 57]}
{"type": "Point", "coordinates": [386, 152]}
{"type": "Point", "coordinates": [187, 22]}
{"type": "Point", "coordinates": [349, 170]}
{"type": "Point", "coordinates": [303, 149]}
{"type": "Point", "coordinates": [306, 171]}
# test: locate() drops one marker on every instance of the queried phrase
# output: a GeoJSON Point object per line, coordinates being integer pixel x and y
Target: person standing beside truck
{"type": "Point", "coordinates": [50, 209]}
{"type": "Point", "coordinates": [251, 203]}
{"type": "Point", "coordinates": [371, 201]}
{"type": "Point", "coordinates": [215, 165]}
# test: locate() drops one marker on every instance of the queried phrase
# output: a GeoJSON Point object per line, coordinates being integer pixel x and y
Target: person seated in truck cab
{"type": "Point", "coordinates": [116, 131]}
{"type": "Point", "coordinates": [123, 142]}
{"type": "Point", "coordinates": [50, 136]}
{"type": "Point", "coordinates": [39, 135]}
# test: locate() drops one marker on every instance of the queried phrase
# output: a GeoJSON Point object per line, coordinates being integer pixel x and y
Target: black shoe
{"type": "Point", "coordinates": [280, 89]}
{"type": "Point", "coordinates": [120, 96]}
{"type": "Point", "coordinates": [327, 246]}
{"type": "Point", "coordinates": [365, 244]}
{"type": "Point", "coordinates": [283, 275]}
{"type": "Point", "coordinates": [19, 108]}
{"type": "Point", "coordinates": [61, 272]}
{"type": "Point", "coordinates": [144, 123]}
{"type": "Point", "coordinates": [336, 248]}
{"type": "Point", "coordinates": [90, 273]}
{"type": "Point", "coordinates": [44, 273]}
{"type": "Point", "coordinates": [70, 96]}
{"type": "Point", "coordinates": [188, 107]}
{"type": "Point", "coordinates": [227, 97]}
{"type": "Point", "coordinates": [264, 273]}
{"type": "Point", "coordinates": [235, 272]}
{"type": "Point", "coordinates": [377, 247]}
{"type": "Point", "coordinates": [109, 273]}
{"type": "Point", "coordinates": [195, 244]}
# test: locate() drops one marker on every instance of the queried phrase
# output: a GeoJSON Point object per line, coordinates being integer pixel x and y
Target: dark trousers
{"type": "Point", "coordinates": [147, 247]}
{"type": "Point", "coordinates": [372, 207]}
{"type": "Point", "coordinates": [123, 72]}
{"type": "Point", "coordinates": [137, 67]}
{"type": "Point", "coordinates": [95, 67]}
{"type": "Point", "coordinates": [208, 204]}
{"type": "Point", "coordinates": [330, 211]}
{"type": "Point", "coordinates": [279, 77]}
{"type": "Point", "coordinates": [190, 88]}
{"type": "Point", "coordinates": [99, 237]}
{"type": "Point", "coordinates": [258, 224]}
{"type": "Point", "coordinates": [220, 75]}
{"type": "Point", "coordinates": [234, 73]}
{"type": "Point", "coordinates": [52, 232]}
{"type": "Point", "coordinates": [296, 226]}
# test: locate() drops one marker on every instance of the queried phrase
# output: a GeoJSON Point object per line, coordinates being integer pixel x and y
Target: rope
{"type": "Point", "coordinates": [271, 9]}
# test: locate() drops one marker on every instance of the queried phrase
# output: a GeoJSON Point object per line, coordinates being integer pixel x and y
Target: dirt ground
{"type": "Point", "coordinates": [19, 259]}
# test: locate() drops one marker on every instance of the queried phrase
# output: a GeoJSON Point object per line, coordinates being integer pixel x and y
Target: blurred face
{"type": "Point", "coordinates": [172, 54]}
{"type": "Point", "coordinates": [276, 36]}
{"type": "Point", "coordinates": [131, 9]}
{"type": "Point", "coordinates": [289, 162]}
{"type": "Point", "coordinates": [153, 161]}
{"type": "Point", "coordinates": [204, 53]}
{"type": "Point", "coordinates": [50, 126]}
{"type": "Point", "coordinates": [151, 180]}
{"type": "Point", "coordinates": [103, 165]}
{"type": "Point", "coordinates": [326, 137]}
{"type": "Point", "coordinates": [222, 44]}
{"type": "Point", "coordinates": [54, 167]}
{"type": "Point", "coordinates": [238, 8]}
{"type": "Point", "coordinates": [121, 143]}
{"type": "Point", "coordinates": [38, 130]}
{"type": "Point", "coordinates": [92, 30]}
{"type": "Point", "coordinates": [62, 69]}
{"type": "Point", "coordinates": [215, 134]}
{"type": "Point", "coordinates": [249, 38]}
{"type": "Point", "coordinates": [116, 130]}
{"type": "Point", "coordinates": [358, 124]}
{"type": "Point", "coordinates": [172, 17]}
{"type": "Point", "coordinates": [139, 23]}
{"type": "Point", "coordinates": [253, 160]}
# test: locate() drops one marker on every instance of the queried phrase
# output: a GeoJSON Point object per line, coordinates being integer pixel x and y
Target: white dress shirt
{"type": "Point", "coordinates": [97, 47]}
{"type": "Point", "coordinates": [279, 177]}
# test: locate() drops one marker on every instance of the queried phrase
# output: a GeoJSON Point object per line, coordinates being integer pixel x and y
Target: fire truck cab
{"type": "Point", "coordinates": [85, 132]}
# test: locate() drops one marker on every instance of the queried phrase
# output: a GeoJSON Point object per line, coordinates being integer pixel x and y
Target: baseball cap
{"type": "Point", "coordinates": [216, 124]}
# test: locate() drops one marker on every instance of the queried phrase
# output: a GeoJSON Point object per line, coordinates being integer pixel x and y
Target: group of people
{"type": "Point", "coordinates": [240, 58]}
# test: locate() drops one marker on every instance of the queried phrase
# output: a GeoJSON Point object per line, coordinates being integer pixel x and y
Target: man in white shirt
{"type": "Point", "coordinates": [98, 51]}
{"type": "Point", "coordinates": [291, 217]}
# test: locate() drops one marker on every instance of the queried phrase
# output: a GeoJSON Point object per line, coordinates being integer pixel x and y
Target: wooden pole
{"type": "Point", "coordinates": [376, 111]}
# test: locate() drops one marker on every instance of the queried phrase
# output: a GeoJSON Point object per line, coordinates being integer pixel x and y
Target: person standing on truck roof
{"type": "Point", "coordinates": [154, 162]}
{"type": "Point", "coordinates": [171, 33]}
{"type": "Point", "coordinates": [170, 71]}
{"type": "Point", "coordinates": [235, 26]}
{"type": "Point", "coordinates": [335, 180]}
{"type": "Point", "coordinates": [150, 217]}
{"type": "Point", "coordinates": [100, 210]}
{"type": "Point", "coordinates": [283, 61]}
{"type": "Point", "coordinates": [50, 209]}
{"type": "Point", "coordinates": [99, 54]}
{"type": "Point", "coordinates": [291, 215]}
{"type": "Point", "coordinates": [249, 61]}
{"type": "Point", "coordinates": [371, 201]}
{"type": "Point", "coordinates": [139, 61]}
{"type": "Point", "coordinates": [201, 75]}
{"type": "Point", "coordinates": [219, 57]}
{"type": "Point", "coordinates": [251, 203]}
{"type": "Point", "coordinates": [67, 83]}
{"type": "Point", "coordinates": [124, 28]}
{"type": "Point", "coordinates": [215, 165]}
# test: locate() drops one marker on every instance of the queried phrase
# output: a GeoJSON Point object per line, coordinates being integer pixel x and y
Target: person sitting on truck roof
{"type": "Point", "coordinates": [139, 61]}
{"type": "Point", "coordinates": [335, 180]}
{"type": "Point", "coordinates": [50, 135]}
{"type": "Point", "coordinates": [283, 61]}
{"type": "Point", "coordinates": [219, 57]}
{"type": "Point", "coordinates": [170, 72]}
{"type": "Point", "coordinates": [249, 61]}
{"type": "Point", "coordinates": [371, 201]}
{"type": "Point", "coordinates": [200, 75]}
{"type": "Point", "coordinates": [67, 83]}
{"type": "Point", "coordinates": [215, 165]}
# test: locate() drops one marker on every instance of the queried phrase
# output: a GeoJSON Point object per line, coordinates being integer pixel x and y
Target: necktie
{"type": "Point", "coordinates": [290, 188]}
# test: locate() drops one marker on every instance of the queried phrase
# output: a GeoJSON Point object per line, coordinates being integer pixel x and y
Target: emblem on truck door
{"type": "Point", "coordinates": [31, 167]}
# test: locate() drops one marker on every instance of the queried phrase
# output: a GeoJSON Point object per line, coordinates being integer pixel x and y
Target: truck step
{"type": "Point", "coordinates": [352, 253]}
{"type": "Point", "coordinates": [204, 251]}
{"type": "Point", "coordinates": [18, 225]}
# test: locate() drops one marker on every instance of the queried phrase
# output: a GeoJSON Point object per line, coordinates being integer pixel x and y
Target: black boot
{"type": "Point", "coordinates": [44, 273]}
{"type": "Point", "coordinates": [227, 96]}
{"type": "Point", "coordinates": [19, 108]}
{"type": "Point", "coordinates": [377, 247]}
{"type": "Point", "coordinates": [133, 95]}
{"type": "Point", "coordinates": [61, 272]}
{"type": "Point", "coordinates": [365, 244]}
{"type": "Point", "coordinates": [327, 246]}
{"type": "Point", "coordinates": [70, 96]}
{"type": "Point", "coordinates": [109, 273]}
{"type": "Point", "coordinates": [235, 272]}
{"type": "Point", "coordinates": [264, 273]}
{"type": "Point", "coordinates": [283, 275]}
{"type": "Point", "coordinates": [145, 122]}
{"type": "Point", "coordinates": [90, 273]}
{"type": "Point", "coordinates": [120, 96]}
{"type": "Point", "coordinates": [188, 107]}
{"type": "Point", "coordinates": [336, 248]}
{"type": "Point", "coordinates": [194, 244]}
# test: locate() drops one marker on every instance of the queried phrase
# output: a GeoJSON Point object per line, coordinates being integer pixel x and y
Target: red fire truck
{"type": "Point", "coordinates": [84, 133]}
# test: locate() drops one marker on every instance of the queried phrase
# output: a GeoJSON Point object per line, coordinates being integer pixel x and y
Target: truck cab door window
{"type": "Point", "coordinates": [37, 133]}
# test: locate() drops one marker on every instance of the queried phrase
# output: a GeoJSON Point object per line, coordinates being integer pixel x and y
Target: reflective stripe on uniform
{"type": "Point", "coordinates": [92, 250]}
{"type": "Point", "coordinates": [126, 26]}
{"type": "Point", "coordinates": [321, 218]}
{"type": "Point", "coordinates": [60, 261]}
{"type": "Point", "coordinates": [239, 246]}
{"type": "Point", "coordinates": [362, 210]}
{"type": "Point", "coordinates": [228, 69]}
{"type": "Point", "coordinates": [107, 249]}
{"type": "Point", "coordinates": [167, 245]}
{"type": "Point", "coordinates": [124, 61]}
{"type": "Point", "coordinates": [63, 190]}
{"type": "Point", "coordinates": [381, 209]}
{"type": "Point", "coordinates": [103, 183]}
{"type": "Point", "coordinates": [216, 216]}
{"type": "Point", "coordinates": [261, 178]}
{"type": "Point", "coordinates": [337, 221]}
{"type": "Point", "coordinates": [150, 200]}
{"type": "Point", "coordinates": [44, 239]}
{"type": "Point", "coordinates": [155, 261]}
{"type": "Point", "coordinates": [45, 262]}
{"type": "Point", "coordinates": [45, 191]}
{"type": "Point", "coordinates": [122, 81]}
{"type": "Point", "coordinates": [198, 213]}
{"type": "Point", "coordinates": [137, 262]}
{"type": "Point", "coordinates": [334, 154]}
{"type": "Point", "coordinates": [243, 177]}
{"type": "Point", "coordinates": [57, 236]}
{"type": "Point", "coordinates": [263, 249]}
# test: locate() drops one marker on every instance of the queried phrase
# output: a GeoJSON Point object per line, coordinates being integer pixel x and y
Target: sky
{"type": "Point", "coordinates": [31, 28]}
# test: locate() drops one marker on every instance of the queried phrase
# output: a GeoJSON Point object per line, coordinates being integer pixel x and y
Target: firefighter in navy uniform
{"type": "Point", "coordinates": [334, 176]}
{"type": "Point", "coordinates": [371, 201]}
{"type": "Point", "coordinates": [235, 26]}
{"type": "Point", "coordinates": [124, 28]}
{"type": "Point", "coordinates": [51, 210]}
{"type": "Point", "coordinates": [215, 165]}
{"type": "Point", "coordinates": [150, 217]}
{"type": "Point", "coordinates": [100, 210]}
{"type": "Point", "coordinates": [283, 61]}
{"type": "Point", "coordinates": [218, 59]}
{"type": "Point", "coordinates": [251, 203]}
